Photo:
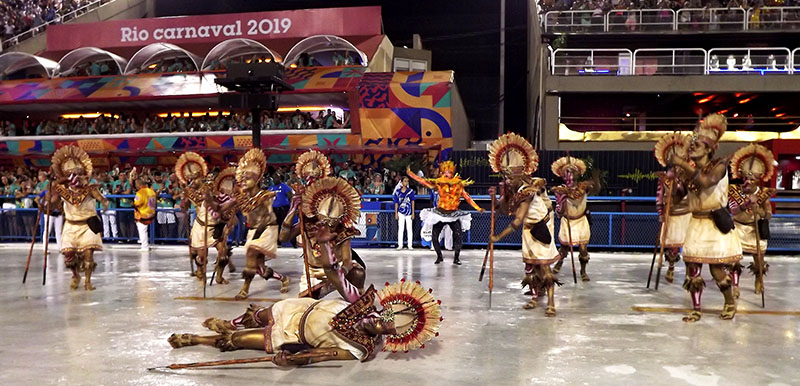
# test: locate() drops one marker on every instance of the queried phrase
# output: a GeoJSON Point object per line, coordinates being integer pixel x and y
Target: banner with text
{"type": "Point", "coordinates": [354, 21]}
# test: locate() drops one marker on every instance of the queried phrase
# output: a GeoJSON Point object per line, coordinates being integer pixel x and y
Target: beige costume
{"type": "Point", "coordinates": [76, 235]}
{"type": "Point", "coordinates": [708, 245]}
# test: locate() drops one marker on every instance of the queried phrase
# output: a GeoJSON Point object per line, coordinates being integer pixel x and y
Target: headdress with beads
{"type": "Point", "coordinates": [254, 161]}
{"type": "Point", "coordinates": [332, 200]}
{"type": "Point", "coordinates": [226, 181]}
{"type": "Point", "coordinates": [754, 161]}
{"type": "Point", "coordinates": [71, 159]}
{"type": "Point", "coordinates": [190, 166]}
{"type": "Point", "coordinates": [562, 164]}
{"type": "Point", "coordinates": [711, 129]}
{"type": "Point", "coordinates": [512, 154]}
{"type": "Point", "coordinates": [415, 312]}
{"type": "Point", "coordinates": [673, 144]}
{"type": "Point", "coordinates": [312, 164]}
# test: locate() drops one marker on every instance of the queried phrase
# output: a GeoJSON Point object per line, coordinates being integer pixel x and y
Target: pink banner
{"type": "Point", "coordinates": [355, 21]}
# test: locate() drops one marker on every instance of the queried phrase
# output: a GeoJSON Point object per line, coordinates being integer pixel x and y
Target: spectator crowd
{"type": "Point", "coordinates": [20, 16]}
{"type": "Point", "coordinates": [20, 188]}
{"type": "Point", "coordinates": [184, 122]}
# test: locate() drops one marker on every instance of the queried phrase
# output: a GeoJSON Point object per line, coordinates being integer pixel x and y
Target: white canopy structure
{"type": "Point", "coordinates": [323, 48]}
{"type": "Point", "coordinates": [159, 52]}
{"type": "Point", "coordinates": [13, 62]}
{"type": "Point", "coordinates": [233, 49]}
{"type": "Point", "coordinates": [79, 57]}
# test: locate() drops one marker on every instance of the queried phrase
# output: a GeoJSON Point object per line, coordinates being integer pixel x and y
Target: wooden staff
{"type": "Point", "coordinates": [663, 234]}
{"type": "Point", "coordinates": [569, 231]}
{"type": "Point", "coordinates": [488, 247]}
{"type": "Point", "coordinates": [268, 358]}
{"type": "Point", "coordinates": [306, 250]}
{"type": "Point", "coordinates": [189, 242]}
{"type": "Point", "coordinates": [759, 260]}
{"type": "Point", "coordinates": [655, 252]}
{"type": "Point", "coordinates": [33, 240]}
{"type": "Point", "coordinates": [205, 245]}
{"type": "Point", "coordinates": [46, 241]}
{"type": "Point", "coordinates": [491, 254]}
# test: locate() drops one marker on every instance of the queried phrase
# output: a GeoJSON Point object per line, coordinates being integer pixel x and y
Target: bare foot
{"type": "Point", "coordinates": [285, 284]}
{"type": "Point", "coordinates": [180, 340]}
{"type": "Point", "coordinates": [76, 280]}
{"type": "Point", "coordinates": [241, 295]}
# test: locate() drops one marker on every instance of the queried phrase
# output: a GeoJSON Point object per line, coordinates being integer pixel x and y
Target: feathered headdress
{"type": "Point", "coordinates": [312, 164]}
{"type": "Point", "coordinates": [332, 199]}
{"type": "Point", "coordinates": [447, 166]}
{"type": "Point", "coordinates": [754, 161]}
{"type": "Point", "coordinates": [225, 181]}
{"type": "Point", "coordinates": [674, 144]}
{"type": "Point", "coordinates": [254, 161]}
{"type": "Point", "coordinates": [711, 129]}
{"type": "Point", "coordinates": [190, 166]}
{"type": "Point", "coordinates": [71, 159]}
{"type": "Point", "coordinates": [577, 166]}
{"type": "Point", "coordinates": [512, 154]}
{"type": "Point", "coordinates": [415, 312]}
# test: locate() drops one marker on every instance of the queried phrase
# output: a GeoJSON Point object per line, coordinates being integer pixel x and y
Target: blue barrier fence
{"type": "Point", "coordinates": [614, 230]}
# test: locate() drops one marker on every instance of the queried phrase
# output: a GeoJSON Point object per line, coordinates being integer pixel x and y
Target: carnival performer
{"type": "Point", "coordinates": [571, 206]}
{"type": "Point", "coordinates": [192, 172]}
{"type": "Point", "coordinates": [710, 238]}
{"type": "Point", "coordinates": [525, 197]}
{"type": "Point", "coordinates": [262, 235]}
{"type": "Point", "coordinates": [330, 208]}
{"type": "Point", "coordinates": [224, 191]}
{"type": "Point", "coordinates": [673, 181]}
{"type": "Point", "coordinates": [144, 204]}
{"type": "Point", "coordinates": [305, 331]}
{"type": "Point", "coordinates": [750, 204]}
{"type": "Point", "coordinates": [451, 189]}
{"type": "Point", "coordinates": [83, 229]}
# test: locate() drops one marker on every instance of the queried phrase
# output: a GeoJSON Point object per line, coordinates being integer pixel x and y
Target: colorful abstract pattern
{"type": "Point", "coordinates": [395, 110]}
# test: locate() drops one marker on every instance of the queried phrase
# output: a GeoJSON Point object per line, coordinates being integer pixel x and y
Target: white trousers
{"type": "Point", "coordinates": [56, 223]}
{"type": "Point", "coordinates": [144, 235]}
{"type": "Point", "coordinates": [110, 224]}
{"type": "Point", "coordinates": [403, 223]}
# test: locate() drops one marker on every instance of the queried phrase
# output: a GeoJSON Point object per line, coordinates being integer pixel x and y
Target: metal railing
{"type": "Point", "coordinates": [610, 229]}
{"type": "Point", "coordinates": [684, 20]}
{"type": "Point", "coordinates": [640, 20]}
{"type": "Point", "coordinates": [60, 19]}
{"type": "Point", "coordinates": [600, 61]}
{"type": "Point", "coordinates": [760, 60]}
{"type": "Point", "coordinates": [670, 61]}
{"type": "Point", "coordinates": [773, 18]}
{"type": "Point", "coordinates": [674, 61]}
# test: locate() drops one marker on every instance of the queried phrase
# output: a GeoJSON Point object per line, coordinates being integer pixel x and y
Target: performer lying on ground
{"type": "Point", "coordinates": [450, 187]}
{"type": "Point", "coordinates": [83, 229]}
{"type": "Point", "coordinates": [334, 329]}
{"type": "Point", "coordinates": [710, 238]}
{"type": "Point", "coordinates": [525, 198]}
{"type": "Point", "coordinates": [750, 204]}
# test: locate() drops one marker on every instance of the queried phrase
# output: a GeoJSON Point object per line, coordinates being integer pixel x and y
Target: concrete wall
{"type": "Point", "coordinates": [459, 124]}
{"type": "Point", "coordinates": [115, 10]}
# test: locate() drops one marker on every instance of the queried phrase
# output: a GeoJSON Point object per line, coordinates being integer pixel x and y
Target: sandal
{"type": "Point", "coordinates": [218, 325]}
{"type": "Point", "coordinates": [285, 284]}
{"type": "Point", "coordinates": [728, 312]}
{"type": "Point", "coordinates": [550, 311]}
{"type": "Point", "coordinates": [530, 305]}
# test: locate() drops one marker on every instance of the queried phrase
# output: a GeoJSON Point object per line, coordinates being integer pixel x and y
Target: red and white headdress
{"type": "Point", "coordinates": [673, 144]}
{"type": "Point", "coordinates": [753, 161]}
{"type": "Point", "coordinates": [415, 312]}
{"type": "Point", "coordinates": [512, 154]}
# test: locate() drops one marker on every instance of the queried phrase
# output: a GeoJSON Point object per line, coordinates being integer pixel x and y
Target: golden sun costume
{"type": "Point", "coordinates": [451, 189]}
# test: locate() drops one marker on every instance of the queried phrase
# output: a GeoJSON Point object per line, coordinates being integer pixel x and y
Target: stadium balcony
{"type": "Point", "coordinates": [685, 20]}
{"type": "Point", "coordinates": [33, 39]}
